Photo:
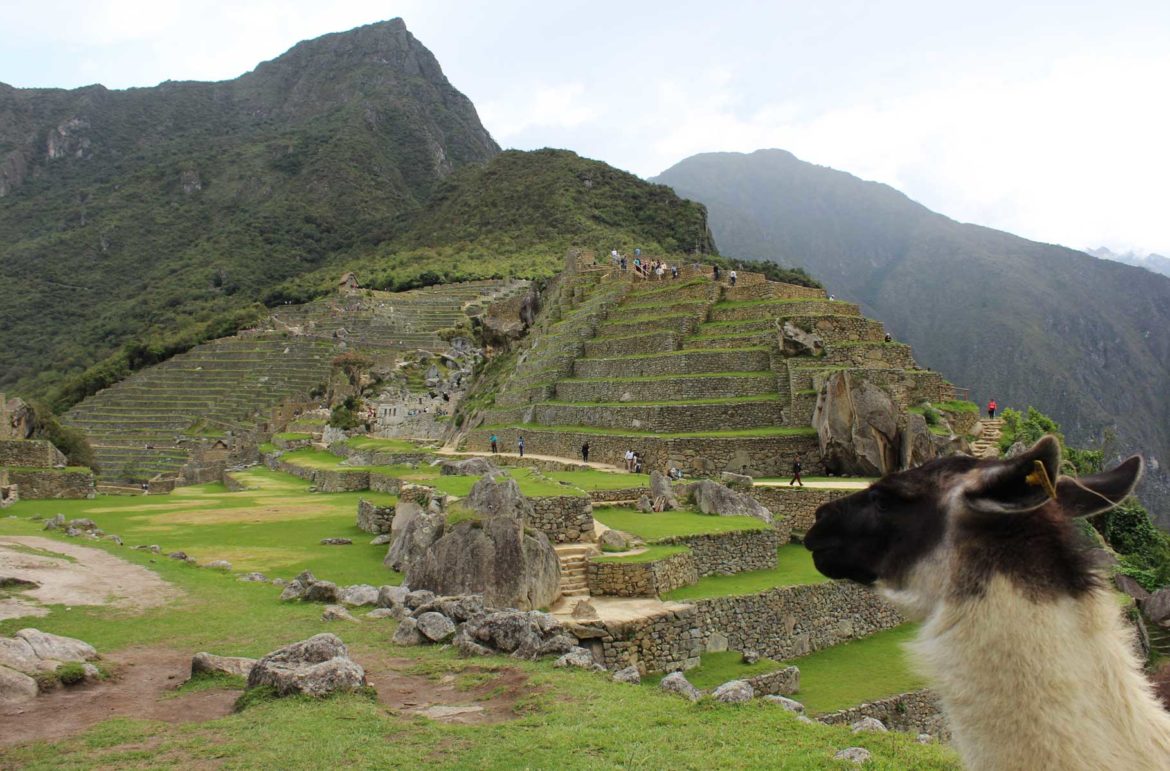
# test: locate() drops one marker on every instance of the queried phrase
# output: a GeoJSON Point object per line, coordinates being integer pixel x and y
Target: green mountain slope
{"type": "Point", "coordinates": [1023, 322]}
{"type": "Point", "coordinates": [155, 210]}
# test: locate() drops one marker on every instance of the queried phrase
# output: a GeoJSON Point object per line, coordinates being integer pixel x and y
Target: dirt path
{"type": "Point", "coordinates": [69, 574]}
{"type": "Point", "coordinates": [141, 689]}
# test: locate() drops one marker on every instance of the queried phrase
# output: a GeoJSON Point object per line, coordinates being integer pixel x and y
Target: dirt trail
{"type": "Point", "coordinates": [70, 574]}
{"type": "Point", "coordinates": [144, 678]}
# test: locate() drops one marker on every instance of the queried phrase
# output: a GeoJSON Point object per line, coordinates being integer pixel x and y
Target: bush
{"type": "Point", "coordinates": [70, 441]}
{"type": "Point", "coordinates": [71, 673]}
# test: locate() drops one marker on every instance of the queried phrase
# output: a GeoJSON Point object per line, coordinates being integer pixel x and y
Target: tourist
{"type": "Point", "coordinates": [637, 463]}
{"type": "Point", "coordinates": [637, 251]}
{"type": "Point", "coordinates": [888, 338]}
{"type": "Point", "coordinates": [623, 264]}
{"type": "Point", "coordinates": [520, 444]}
{"type": "Point", "coordinates": [715, 272]}
{"type": "Point", "coordinates": [796, 468]}
{"type": "Point", "coordinates": [495, 445]}
{"type": "Point", "coordinates": [614, 257]}
{"type": "Point", "coordinates": [629, 460]}
{"type": "Point", "coordinates": [674, 271]}
{"type": "Point", "coordinates": [585, 452]}
{"type": "Point", "coordinates": [659, 272]}
{"type": "Point", "coordinates": [733, 276]}
{"type": "Point", "coordinates": [991, 409]}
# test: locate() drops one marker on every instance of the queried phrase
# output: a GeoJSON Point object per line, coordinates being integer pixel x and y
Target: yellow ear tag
{"type": "Point", "coordinates": [1039, 478]}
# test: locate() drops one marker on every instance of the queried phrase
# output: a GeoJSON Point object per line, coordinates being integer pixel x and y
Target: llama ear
{"type": "Point", "coordinates": [1021, 484]}
{"type": "Point", "coordinates": [1094, 494]}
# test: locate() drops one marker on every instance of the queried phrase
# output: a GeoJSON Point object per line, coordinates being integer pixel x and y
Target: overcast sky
{"type": "Point", "coordinates": [1049, 120]}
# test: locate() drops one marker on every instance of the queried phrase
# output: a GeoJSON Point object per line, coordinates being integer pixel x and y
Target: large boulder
{"type": "Point", "coordinates": [209, 663]}
{"type": "Point", "coordinates": [16, 687]}
{"type": "Point", "coordinates": [917, 445]}
{"type": "Point", "coordinates": [358, 595]}
{"type": "Point", "coordinates": [510, 565]}
{"type": "Point", "coordinates": [496, 495]}
{"type": "Point", "coordinates": [857, 427]}
{"type": "Point", "coordinates": [660, 490]}
{"type": "Point", "coordinates": [526, 635]}
{"type": "Point", "coordinates": [676, 682]}
{"type": "Point", "coordinates": [714, 498]}
{"type": "Point", "coordinates": [317, 667]}
{"type": "Point", "coordinates": [51, 646]}
{"type": "Point", "coordinates": [468, 467]}
{"type": "Point", "coordinates": [1156, 607]}
{"type": "Point", "coordinates": [21, 419]}
{"type": "Point", "coordinates": [734, 692]}
{"type": "Point", "coordinates": [794, 341]}
{"type": "Point", "coordinates": [422, 529]}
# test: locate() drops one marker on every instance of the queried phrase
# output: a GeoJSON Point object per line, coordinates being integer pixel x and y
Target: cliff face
{"type": "Point", "coordinates": [160, 207]}
{"type": "Point", "coordinates": [1081, 339]}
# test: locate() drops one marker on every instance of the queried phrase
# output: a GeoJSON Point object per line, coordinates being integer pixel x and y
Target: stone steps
{"type": "Point", "coordinates": [573, 560]}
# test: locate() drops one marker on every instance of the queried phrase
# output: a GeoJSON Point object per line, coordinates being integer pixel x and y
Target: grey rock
{"type": "Point", "coordinates": [577, 657]}
{"type": "Point", "coordinates": [1127, 585]}
{"type": "Point", "coordinates": [154, 548]}
{"type": "Point", "coordinates": [115, 539]}
{"type": "Point", "coordinates": [496, 495]}
{"type": "Point", "coordinates": [358, 595]}
{"type": "Point", "coordinates": [1017, 449]}
{"type": "Point", "coordinates": [378, 613]}
{"type": "Point", "coordinates": [584, 611]}
{"type": "Point", "coordinates": [916, 440]}
{"type": "Point", "coordinates": [57, 522]}
{"type": "Point", "coordinates": [783, 701]}
{"type": "Point", "coordinates": [924, 739]}
{"type": "Point", "coordinates": [733, 692]}
{"type": "Point", "coordinates": [435, 626]}
{"type": "Point", "coordinates": [389, 596]}
{"type": "Point", "coordinates": [713, 498]}
{"type": "Point", "coordinates": [469, 467]}
{"type": "Point", "coordinates": [179, 555]}
{"type": "Point", "coordinates": [750, 657]}
{"type": "Point", "coordinates": [316, 667]}
{"type": "Point", "coordinates": [615, 539]}
{"type": "Point", "coordinates": [856, 755]}
{"type": "Point", "coordinates": [1156, 607]}
{"type": "Point", "coordinates": [209, 663]}
{"type": "Point", "coordinates": [468, 647]}
{"type": "Point", "coordinates": [662, 492]}
{"type": "Point", "coordinates": [306, 577]}
{"type": "Point", "coordinates": [84, 525]}
{"type": "Point", "coordinates": [336, 613]}
{"type": "Point", "coordinates": [420, 530]}
{"type": "Point", "coordinates": [510, 565]}
{"type": "Point", "coordinates": [418, 598]}
{"type": "Point", "coordinates": [381, 540]}
{"type": "Point", "coordinates": [868, 724]}
{"type": "Point", "coordinates": [294, 590]}
{"type": "Point", "coordinates": [794, 341]}
{"type": "Point", "coordinates": [51, 646]}
{"type": "Point", "coordinates": [254, 577]}
{"type": "Point", "coordinates": [507, 631]}
{"type": "Point", "coordinates": [322, 591]}
{"type": "Point", "coordinates": [19, 655]}
{"type": "Point", "coordinates": [557, 645]}
{"type": "Point", "coordinates": [629, 675]}
{"type": "Point", "coordinates": [16, 687]}
{"type": "Point", "coordinates": [644, 504]}
{"type": "Point", "coordinates": [739, 482]}
{"type": "Point", "coordinates": [336, 541]}
{"type": "Point", "coordinates": [857, 427]}
{"type": "Point", "coordinates": [676, 682]}
{"type": "Point", "coordinates": [407, 633]}
{"type": "Point", "coordinates": [218, 565]}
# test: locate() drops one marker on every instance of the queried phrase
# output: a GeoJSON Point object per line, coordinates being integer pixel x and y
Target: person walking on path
{"type": "Point", "coordinates": [714, 272]}
{"type": "Point", "coordinates": [733, 276]}
{"type": "Point", "coordinates": [796, 467]}
{"type": "Point", "coordinates": [520, 444]}
{"type": "Point", "coordinates": [585, 452]}
{"type": "Point", "coordinates": [991, 410]}
{"type": "Point", "coordinates": [495, 444]}
{"type": "Point", "coordinates": [629, 460]}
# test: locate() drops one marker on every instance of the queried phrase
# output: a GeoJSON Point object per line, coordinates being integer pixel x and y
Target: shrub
{"type": "Point", "coordinates": [71, 672]}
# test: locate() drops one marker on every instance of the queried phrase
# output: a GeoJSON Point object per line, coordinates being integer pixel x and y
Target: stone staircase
{"type": "Point", "coordinates": [573, 558]}
{"type": "Point", "coordinates": [986, 445]}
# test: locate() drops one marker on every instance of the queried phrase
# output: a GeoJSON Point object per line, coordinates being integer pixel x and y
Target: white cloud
{"type": "Point", "coordinates": [544, 106]}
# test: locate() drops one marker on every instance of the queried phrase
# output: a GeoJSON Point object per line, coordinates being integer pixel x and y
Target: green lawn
{"type": "Point", "coordinates": [715, 669]}
{"type": "Point", "coordinates": [665, 524]}
{"type": "Point", "coordinates": [862, 670]}
{"type": "Point", "coordinates": [382, 445]}
{"type": "Point", "coordinates": [794, 568]}
{"type": "Point", "coordinates": [275, 528]}
{"type": "Point", "coordinates": [653, 553]}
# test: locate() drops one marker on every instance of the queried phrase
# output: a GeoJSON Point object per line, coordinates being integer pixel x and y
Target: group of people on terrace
{"type": "Point", "coordinates": [656, 269]}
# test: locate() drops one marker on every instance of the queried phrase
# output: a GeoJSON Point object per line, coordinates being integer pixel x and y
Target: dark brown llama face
{"type": "Point", "coordinates": [971, 519]}
{"type": "Point", "coordinates": [885, 529]}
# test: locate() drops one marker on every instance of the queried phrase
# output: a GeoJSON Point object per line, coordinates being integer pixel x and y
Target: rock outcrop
{"type": "Point", "coordinates": [714, 498]}
{"type": "Point", "coordinates": [496, 556]}
{"type": "Point", "coordinates": [317, 667]}
{"type": "Point", "coordinates": [857, 426]}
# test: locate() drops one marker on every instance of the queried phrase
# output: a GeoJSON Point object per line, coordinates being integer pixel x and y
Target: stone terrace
{"type": "Point", "coordinates": [690, 372]}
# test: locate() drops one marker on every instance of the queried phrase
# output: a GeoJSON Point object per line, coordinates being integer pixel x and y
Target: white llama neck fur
{"type": "Point", "coordinates": [1042, 685]}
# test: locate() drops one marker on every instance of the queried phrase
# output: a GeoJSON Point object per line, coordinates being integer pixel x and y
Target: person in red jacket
{"type": "Point", "coordinates": [991, 409]}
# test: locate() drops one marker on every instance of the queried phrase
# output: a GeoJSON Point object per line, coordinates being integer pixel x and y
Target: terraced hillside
{"type": "Point", "coordinates": [691, 372]}
{"type": "Point", "coordinates": [148, 424]}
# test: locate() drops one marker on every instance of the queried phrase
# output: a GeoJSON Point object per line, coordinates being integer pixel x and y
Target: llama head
{"type": "Point", "coordinates": [945, 528]}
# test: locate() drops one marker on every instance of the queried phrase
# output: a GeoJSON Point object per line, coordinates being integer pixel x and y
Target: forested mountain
{"type": "Point", "coordinates": [163, 209]}
{"type": "Point", "coordinates": [1026, 323]}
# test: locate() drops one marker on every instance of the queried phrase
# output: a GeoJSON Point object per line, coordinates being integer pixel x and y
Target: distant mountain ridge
{"type": "Point", "coordinates": [161, 208]}
{"type": "Point", "coordinates": [1154, 263]}
{"type": "Point", "coordinates": [1023, 322]}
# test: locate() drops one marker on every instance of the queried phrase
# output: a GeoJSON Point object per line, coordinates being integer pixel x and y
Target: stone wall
{"type": "Point", "coordinates": [796, 504]}
{"type": "Point", "coordinates": [374, 519]}
{"type": "Point", "coordinates": [626, 494]}
{"type": "Point", "coordinates": [841, 328]}
{"type": "Point", "coordinates": [325, 480]}
{"type": "Point", "coordinates": [782, 682]}
{"type": "Point", "coordinates": [384, 483]}
{"type": "Point", "coordinates": [563, 518]}
{"type": "Point", "coordinates": [761, 456]}
{"type": "Point", "coordinates": [683, 290]}
{"type": "Point", "coordinates": [641, 579]}
{"type": "Point", "coordinates": [675, 389]}
{"type": "Point", "coordinates": [728, 553]}
{"type": "Point", "coordinates": [30, 453]}
{"type": "Point", "coordinates": [664, 418]}
{"type": "Point", "coordinates": [866, 354]}
{"type": "Point", "coordinates": [765, 290]}
{"type": "Point", "coordinates": [645, 341]}
{"type": "Point", "coordinates": [665, 642]}
{"type": "Point", "coordinates": [784, 309]}
{"type": "Point", "coordinates": [800, 409]}
{"type": "Point", "coordinates": [916, 712]}
{"type": "Point", "coordinates": [680, 363]}
{"type": "Point", "coordinates": [962, 423]}
{"type": "Point", "coordinates": [34, 484]}
{"type": "Point", "coordinates": [791, 621]}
